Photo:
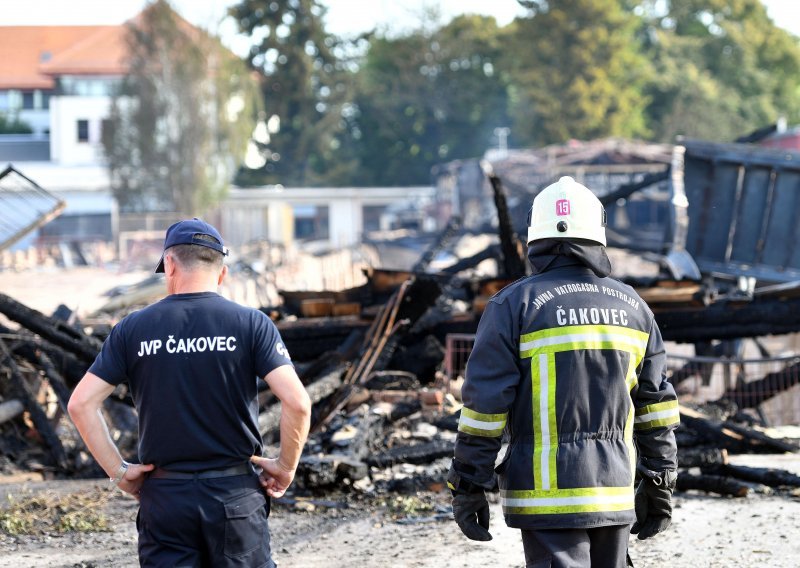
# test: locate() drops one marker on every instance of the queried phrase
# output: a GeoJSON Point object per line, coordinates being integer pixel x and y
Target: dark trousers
{"type": "Point", "coordinates": [602, 547]}
{"type": "Point", "coordinates": [204, 523]}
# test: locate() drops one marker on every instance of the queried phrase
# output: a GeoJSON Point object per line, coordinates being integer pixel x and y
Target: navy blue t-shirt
{"type": "Point", "coordinates": [193, 362]}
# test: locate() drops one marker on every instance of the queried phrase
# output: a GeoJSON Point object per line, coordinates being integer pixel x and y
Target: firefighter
{"type": "Point", "coordinates": [568, 364]}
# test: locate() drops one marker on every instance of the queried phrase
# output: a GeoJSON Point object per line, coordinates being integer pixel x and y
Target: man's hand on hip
{"type": "Point", "coordinates": [275, 477]}
{"type": "Point", "coordinates": [131, 482]}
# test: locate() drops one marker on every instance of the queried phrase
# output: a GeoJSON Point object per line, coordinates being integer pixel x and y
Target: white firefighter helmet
{"type": "Point", "coordinates": [567, 210]}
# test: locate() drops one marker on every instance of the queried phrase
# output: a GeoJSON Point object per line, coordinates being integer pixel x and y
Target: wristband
{"type": "Point", "coordinates": [123, 469]}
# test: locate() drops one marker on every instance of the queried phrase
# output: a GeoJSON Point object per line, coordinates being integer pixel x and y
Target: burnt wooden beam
{"type": "Point", "coordinates": [712, 484]}
{"type": "Point", "coordinates": [414, 454]}
{"type": "Point", "coordinates": [23, 391]}
{"type": "Point", "coordinates": [728, 319]}
{"type": "Point", "coordinates": [771, 477]}
{"type": "Point", "coordinates": [55, 331]}
{"type": "Point", "coordinates": [318, 391]}
{"type": "Point", "coordinates": [444, 237]}
{"type": "Point", "coordinates": [701, 457]}
{"type": "Point", "coordinates": [326, 471]}
{"type": "Point", "coordinates": [627, 189]}
{"type": "Point", "coordinates": [513, 264]}
{"type": "Point", "coordinates": [733, 437]}
{"type": "Point", "coordinates": [492, 251]}
{"type": "Point", "coordinates": [753, 393]}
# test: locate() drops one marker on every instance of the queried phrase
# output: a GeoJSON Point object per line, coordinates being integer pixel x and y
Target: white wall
{"type": "Point", "coordinates": [65, 112]}
{"type": "Point", "coordinates": [240, 217]}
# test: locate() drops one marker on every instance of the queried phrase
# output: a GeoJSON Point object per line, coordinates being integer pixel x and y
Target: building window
{"type": "Point", "coordinates": [27, 100]}
{"type": "Point", "coordinates": [83, 131]}
{"type": "Point", "coordinates": [371, 215]}
{"type": "Point", "coordinates": [310, 222]}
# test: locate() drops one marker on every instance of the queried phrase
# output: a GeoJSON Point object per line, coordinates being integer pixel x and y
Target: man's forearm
{"type": "Point", "coordinates": [94, 431]}
{"type": "Point", "coordinates": [84, 409]}
{"type": "Point", "coordinates": [295, 423]}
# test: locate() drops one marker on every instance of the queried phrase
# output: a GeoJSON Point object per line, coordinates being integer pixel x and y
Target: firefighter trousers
{"type": "Point", "coordinates": [601, 547]}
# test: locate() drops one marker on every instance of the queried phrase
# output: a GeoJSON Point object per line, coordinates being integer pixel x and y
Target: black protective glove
{"type": "Point", "coordinates": [471, 513]}
{"type": "Point", "coordinates": [470, 507]}
{"type": "Point", "coordinates": [653, 502]}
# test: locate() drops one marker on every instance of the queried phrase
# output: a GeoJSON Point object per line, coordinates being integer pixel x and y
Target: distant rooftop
{"type": "Point", "coordinates": [30, 56]}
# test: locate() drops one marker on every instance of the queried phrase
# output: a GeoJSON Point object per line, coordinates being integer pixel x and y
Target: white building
{"type": "Point", "coordinates": [335, 216]}
{"type": "Point", "coordinates": [59, 80]}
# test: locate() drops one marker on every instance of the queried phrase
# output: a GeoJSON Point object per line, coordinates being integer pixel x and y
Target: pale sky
{"type": "Point", "coordinates": [345, 17]}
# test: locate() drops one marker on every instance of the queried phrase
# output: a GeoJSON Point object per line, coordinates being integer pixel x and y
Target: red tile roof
{"type": "Point", "coordinates": [30, 55]}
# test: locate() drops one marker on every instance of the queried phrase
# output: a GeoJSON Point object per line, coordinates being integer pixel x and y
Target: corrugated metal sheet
{"type": "Point", "coordinates": [24, 206]}
{"type": "Point", "coordinates": [742, 209]}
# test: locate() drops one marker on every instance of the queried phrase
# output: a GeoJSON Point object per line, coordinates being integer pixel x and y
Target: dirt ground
{"type": "Point", "coordinates": [707, 531]}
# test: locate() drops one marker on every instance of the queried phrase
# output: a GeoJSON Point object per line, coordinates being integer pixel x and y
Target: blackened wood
{"type": "Point", "coordinates": [444, 236]}
{"type": "Point", "coordinates": [56, 332]}
{"type": "Point", "coordinates": [308, 338]}
{"type": "Point", "coordinates": [760, 441]}
{"type": "Point", "coordinates": [318, 391]}
{"type": "Point", "coordinates": [27, 345]}
{"type": "Point", "coordinates": [316, 473]}
{"type": "Point", "coordinates": [492, 251]}
{"type": "Point", "coordinates": [626, 189]}
{"type": "Point", "coordinates": [23, 391]}
{"type": "Point", "coordinates": [513, 264]}
{"type": "Point", "coordinates": [415, 454]}
{"type": "Point", "coordinates": [731, 320]}
{"type": "Point", "coordinates": [766, 476]}
{"type": "Point", "coordinates": [712, 484]}
{"type": "Point", "coordinates": [701, 457]}
{"type": "Point", "coordinates": [753, 393]}
{"type": "Point", "coordinates": [733, 437]}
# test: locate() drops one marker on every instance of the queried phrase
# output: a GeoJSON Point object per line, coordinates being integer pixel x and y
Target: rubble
{"type": "Point", "coordinates": [372, 358]}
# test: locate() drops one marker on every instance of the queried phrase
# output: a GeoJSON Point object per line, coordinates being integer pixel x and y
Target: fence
{"type": "Point", "coordinates": [767, 387]}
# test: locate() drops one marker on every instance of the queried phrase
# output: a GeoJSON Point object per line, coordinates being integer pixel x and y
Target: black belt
{"type": "Point", "coordinates": [242, 469]}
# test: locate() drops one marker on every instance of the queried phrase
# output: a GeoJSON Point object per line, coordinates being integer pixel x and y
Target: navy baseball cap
{"type": "Point", "coordinates": [191, 232]}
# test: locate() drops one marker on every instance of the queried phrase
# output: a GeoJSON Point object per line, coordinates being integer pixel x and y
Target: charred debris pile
{"type": "Point", "coordinates": [374, 360]}
{"type": "Point", "coordinates": [385, 413]}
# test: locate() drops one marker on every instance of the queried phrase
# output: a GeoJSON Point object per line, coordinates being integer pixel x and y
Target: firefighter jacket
{"type": "Point", "coordinates": [570, 364]}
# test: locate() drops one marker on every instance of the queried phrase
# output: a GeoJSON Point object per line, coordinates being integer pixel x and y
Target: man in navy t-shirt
{"type": "Point", "coordinates": [192, 362]}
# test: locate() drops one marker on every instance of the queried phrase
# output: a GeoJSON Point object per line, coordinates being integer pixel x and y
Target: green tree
{"type": "Point", "coordinates": [10, 124]}
{"type": "Point", "coordinates": [723, 68]}
{"type": "Point", "coordinates": [304, 88]}
{"type": "Point", "coordinates": [576, 72]}
{"type": "Point", "coordinates": [182, 117]}
{"type": "Point", "coordinates": [433, 95]}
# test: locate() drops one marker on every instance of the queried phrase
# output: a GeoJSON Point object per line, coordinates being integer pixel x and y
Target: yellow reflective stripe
{"type": "Point", "coordinates": [538, 438]}
{"type": "Point", "coordinates": [554, 332]}
{"type": "Point", "coordinates": [552, 424]}
{"type": "Point", "coordinates": [671, 404]}
{"type": "Point", "coordinates": [583, 337]}
{"type": "Point", "coordinates": [582, 500]}
{"type": "Point", "coordinates": [546, 432]}
{"type": "Point", "coordinates": [479, 424]}
{"type": "Point", "coordinates": [628, 435]}
{"type": "Point", "coordinates": [657, 415]}
{"type": "Point", "coordinates": [632, 380]}
{"type": "Point", "coordinates": [480, 416]}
